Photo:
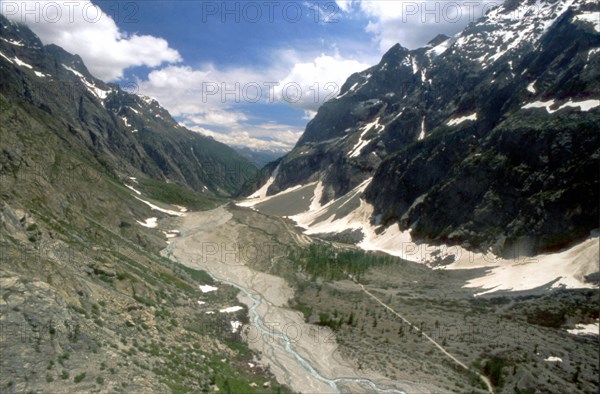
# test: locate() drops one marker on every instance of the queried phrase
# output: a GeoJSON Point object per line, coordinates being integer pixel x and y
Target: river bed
{"type": "Point", "coordinates": [300, 355]}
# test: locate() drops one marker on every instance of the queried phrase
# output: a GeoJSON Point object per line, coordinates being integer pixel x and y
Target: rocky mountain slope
{"type": "Point", "coordinates": [88, 177]}
{"type": "Point", "coordinates": [485, 139]}
{"type": "Point", "coordinates": [128, 134]}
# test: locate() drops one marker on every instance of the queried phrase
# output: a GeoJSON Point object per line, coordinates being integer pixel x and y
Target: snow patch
{"type": "Point", "coordinates": [6, 57]}
{"type": "Point", "coordinates": [252, 202]}
{"type": "Point", "coordinates": [126, 121]}
{"type": "Point", "coordinates": [171, 233]}
{"type": "Point", "coordinates": [235, 326]}
{"type": "Point", "coordinates": [231, 309]}
{"type": "Point", "coordinates": [553, 359]}
{"type": "Point", "coordinates": [132, 188]}
{"type": "Point", "coordinates": [459, 120]}
{"type": "Point", "coordinates": [12, 42]}
{"type": "Point", "coordinates": [585, 329]}
{"type": "Point", "coordinates": [262, 192]}
{"type": "Point", "coordinates": [358, 147]}
{"type": "Point", "coordinates": [157, 208]}
{"type": "Point", "coordinates": [352, 89]}
{"type": "Point", "coordinates": [21, 63]}
{"type": "Point", "coordinates": [99, 93]}
{"type": "Point", "coordinates": [150, 222]}
{"type": "Point", "coordinates": [591, 17]}
{"type": "Point", "coordinates": [531, 87]}
{"type": "Point", "coordinates": [323, 220]}
{"type": "Point", "coordinates": [415, 66]}
{"type": "Point", "coordinates": [207, 288]}
{"type": "Point", "coordinates": [566, 269]}
{"type": "Point", "coordinates": [315, 203]}
{"type": "Point", "coordinates": [422, 133]}
{"type": "Point", "coordinates": [583, 106]}
{"type": "Point", "coordinates": [148, 100]}
{"type": "Point", "coordinates": [440, 48]}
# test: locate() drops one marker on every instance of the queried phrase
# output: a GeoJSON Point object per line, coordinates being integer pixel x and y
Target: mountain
{"type": "Point", "coordinates": [259, 158]}
{"type": "Point", "coordinates": [89, 175]}
{"type": "Point", "coordinates": [488, 139]}
{"type": "Point", "coordinates": [126, 133]}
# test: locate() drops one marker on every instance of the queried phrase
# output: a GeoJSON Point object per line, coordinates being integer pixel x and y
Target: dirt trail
{"type": "Point", "coordinates": [440, 347]}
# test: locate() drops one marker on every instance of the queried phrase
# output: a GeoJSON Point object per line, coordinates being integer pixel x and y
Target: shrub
{"type": "Point", "coordinates": [79, 377]}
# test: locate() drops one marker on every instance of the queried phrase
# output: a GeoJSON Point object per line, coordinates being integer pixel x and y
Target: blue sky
{"type": "Point", "coordinates": [186, 54]}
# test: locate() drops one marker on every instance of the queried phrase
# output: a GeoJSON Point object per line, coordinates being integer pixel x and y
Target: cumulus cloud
{"type": "Point", "coordinates": [218, 118]}
{"type": "Point", "coordinates": [184, 90]}
{"type": "Point", "coordinates": [300, 81]}
{"type": "Point", "coordinates": [310, 83]}
{"type": "Point", "coordinates": [207, 98]}
{"type": "Point", "coordinates": [263, 137]}
{"type": "Point", "coordinates": [82, 28]}
{"type": "Point", "coordinates": [411, 23]}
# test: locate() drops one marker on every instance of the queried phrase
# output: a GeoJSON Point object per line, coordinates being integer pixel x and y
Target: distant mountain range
{"type": "Point", "coordinates": [259, 158]}
{"type": "Point", "coordinates": [488, 139]}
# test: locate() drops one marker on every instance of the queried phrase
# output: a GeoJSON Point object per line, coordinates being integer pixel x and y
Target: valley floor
{"type": "Point", "coordinates": [303, 356]}
{"type": "Point", "coordinates": [404, 328]}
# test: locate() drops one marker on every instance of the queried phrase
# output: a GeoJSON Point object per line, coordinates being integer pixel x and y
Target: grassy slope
{"type": "Point", "coordinates": [87, 302]}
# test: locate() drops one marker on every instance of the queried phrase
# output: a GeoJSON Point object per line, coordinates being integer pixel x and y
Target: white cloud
{"type": "Point", "coordinates": [265, 137]}
{"type": "Point", "coordinates": [218, 118]}
{"type": "Point", "coordinates": [81, 27]}
{"type": "Point", "coordinates": [413, 24]}
{"type": "Point", "coordinates": [309, 115]}
{"type": "Point", "coordinates": [344, 5]}
{"type": "Point", "coordinates": [208, 98]}
{"type": "Point", "coordinates": [300, 81]}
{"type": "Point", "coordinates": [184, 90]}
{"type": "Point", "coordinates": [310, 83]}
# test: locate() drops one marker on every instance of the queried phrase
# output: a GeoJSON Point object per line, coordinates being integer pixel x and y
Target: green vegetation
{"type": "Point", "coordinates": [493, 370]}
{"type": "Point", "coordinates": [79, 377]}
{"type": "Point", "coordinates": [62, 358]}
{"type": "Point", "coordinates": [547, 318]}
{"type": "Point", "coordinates": [197, 275]}
{"type": "Point", "coordinates": [304, 308]}
{"type": "Point", "coordinates": [327, 321]}
{"type": "Point", "coordinates": [171, 193]}
{"type": "Point", "coordinates": [325, 261]}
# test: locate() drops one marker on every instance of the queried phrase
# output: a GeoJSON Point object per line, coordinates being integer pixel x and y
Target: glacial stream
{"type": "Point", "coordinates": [283, 341]}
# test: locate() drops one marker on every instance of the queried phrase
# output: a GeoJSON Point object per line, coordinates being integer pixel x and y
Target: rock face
{"type": "Point", "coordinates": [487, 138]}
{"type": "Point", "coordinates": [86, 301]}
{"type": "Point", "coordinates": [126, 133]}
